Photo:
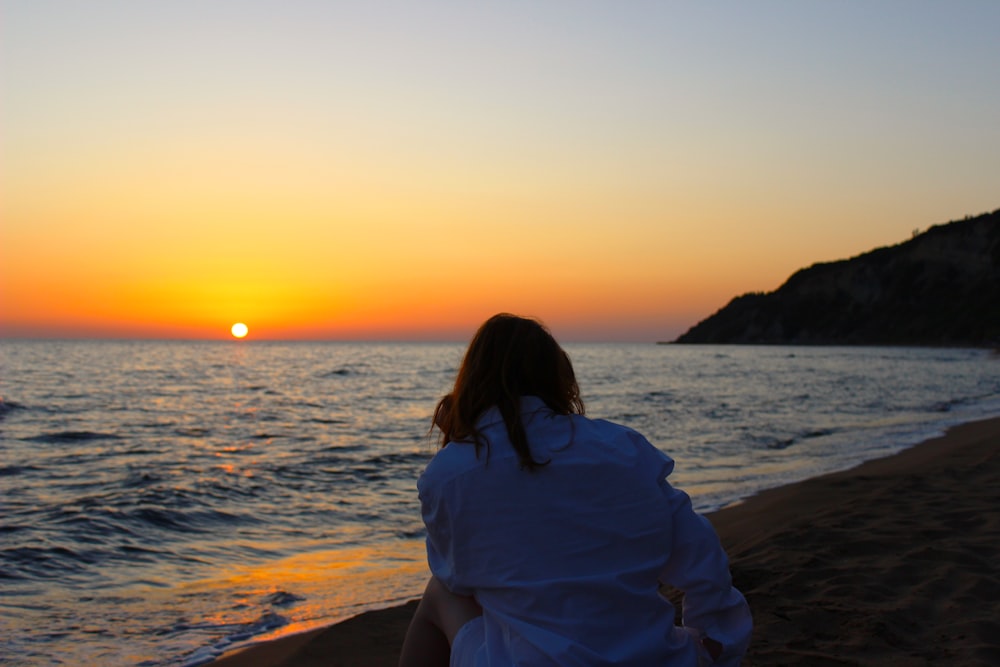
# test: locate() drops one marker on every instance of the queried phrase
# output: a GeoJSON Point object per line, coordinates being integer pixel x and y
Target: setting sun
{"type": "Point", "coordinates": [240, 330]}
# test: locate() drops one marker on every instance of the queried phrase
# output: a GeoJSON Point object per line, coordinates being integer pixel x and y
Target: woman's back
{"type": "Point", "coordinates": [548, 533]}
{"type": "Point", "coordinates": [564, 559]}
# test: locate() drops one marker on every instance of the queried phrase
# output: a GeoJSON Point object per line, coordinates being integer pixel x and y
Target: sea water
{"type": "Point", "coordinates": [161, 502]}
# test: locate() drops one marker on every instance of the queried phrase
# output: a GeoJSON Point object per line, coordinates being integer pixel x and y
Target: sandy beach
{"type": "Point", "coordinates": [891, 563]}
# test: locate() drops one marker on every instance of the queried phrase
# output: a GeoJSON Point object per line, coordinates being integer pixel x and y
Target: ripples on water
{"type": "Point", "coordinates": [168, 499]}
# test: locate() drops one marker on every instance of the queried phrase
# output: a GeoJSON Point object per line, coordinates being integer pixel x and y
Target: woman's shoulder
{"type": "Point", "coordinates": [622, 439]}
{"type": "Point", "coordinates": [611, 429]}
{"type": "Point", "coordinates": [451, 461]}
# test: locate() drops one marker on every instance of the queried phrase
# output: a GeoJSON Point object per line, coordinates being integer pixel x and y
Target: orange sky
{"type": "Point", "coordinates": [356, 172]}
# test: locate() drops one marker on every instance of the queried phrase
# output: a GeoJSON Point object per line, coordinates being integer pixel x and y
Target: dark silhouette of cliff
{"type": "Point", "coordinates": [942, 287]}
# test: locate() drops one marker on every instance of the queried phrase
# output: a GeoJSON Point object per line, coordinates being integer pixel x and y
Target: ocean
{"type": "Point", "coordinates": [161, 502]}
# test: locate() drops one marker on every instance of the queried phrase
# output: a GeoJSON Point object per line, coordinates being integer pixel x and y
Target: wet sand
{"type": "Point", "coordinates": [894, 562]}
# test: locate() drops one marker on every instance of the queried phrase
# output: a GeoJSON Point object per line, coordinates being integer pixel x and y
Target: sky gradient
{"type": "Point", "coordinates": [399, 170]}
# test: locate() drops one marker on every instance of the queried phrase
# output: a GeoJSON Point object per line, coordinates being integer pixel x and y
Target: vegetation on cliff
{"type": "Point", "coordinates": [941, 287]}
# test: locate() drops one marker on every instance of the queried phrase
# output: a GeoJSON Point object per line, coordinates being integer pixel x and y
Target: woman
{"type": "Point", "coordinates": [549, 534]}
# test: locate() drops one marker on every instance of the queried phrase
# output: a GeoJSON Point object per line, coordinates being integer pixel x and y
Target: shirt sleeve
{"type": "Point", "coordinates": [441, 546]}
{"type": "Point", "coordinates": [699, 567]}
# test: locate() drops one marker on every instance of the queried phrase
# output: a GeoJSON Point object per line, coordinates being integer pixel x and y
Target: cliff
{"type": "Point", "coordinates": [941, 287]}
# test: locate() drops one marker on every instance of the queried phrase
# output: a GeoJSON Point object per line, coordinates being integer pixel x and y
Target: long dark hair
{"type": "Point", "coordinates": [509, 357]}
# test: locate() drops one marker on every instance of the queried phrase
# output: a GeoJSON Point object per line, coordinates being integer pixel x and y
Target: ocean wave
{"type": "Point", "coordinates": [11, 471]}
{"type": "Point", "coordinates": [264, 435]}
{"type": "Point", "coordinates": [45, 562]}
{"type": "Point", "coordinates": [265, 623]}
{"type": "Point", "coordinates": [338, 372]}
{"type": "Point", "coordinates": [192, 431]}
{"type": "Point", "coordinates": [7, 528]}
{"type": "Point", "coordinates": [778, 442]}
{"type": "Point", "coordinates": [817, 433]}
{"type": "Point", "coordinates": [137, 479]}
{"type": "Point", "coordinates": [400, 458]}
{"type": "Point", "coordinates": [282, 599]}
{"type": "Point", "coordinates": [72, 436]}
{"type": "Point", "coordinates": [7, 407]}
{"type": "Point", "coordinates": [183, 521]}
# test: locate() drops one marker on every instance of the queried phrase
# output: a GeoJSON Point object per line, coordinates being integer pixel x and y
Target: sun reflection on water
{"type": "Point", "coordinates": [314, 589]}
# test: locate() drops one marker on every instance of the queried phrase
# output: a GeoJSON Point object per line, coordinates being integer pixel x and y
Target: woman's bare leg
{"type": "Point", "coordinates": [438, 618]}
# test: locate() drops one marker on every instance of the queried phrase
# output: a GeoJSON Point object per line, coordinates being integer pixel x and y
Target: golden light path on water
{"type": "Point", "coordinates": [322, 587]}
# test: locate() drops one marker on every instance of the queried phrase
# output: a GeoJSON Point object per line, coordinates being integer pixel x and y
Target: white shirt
{"type": "Point", "coordinates": [566, 560]}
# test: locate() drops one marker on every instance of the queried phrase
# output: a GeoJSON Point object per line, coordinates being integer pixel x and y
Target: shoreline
{"type": "Point", "coordinates": [887, 563]}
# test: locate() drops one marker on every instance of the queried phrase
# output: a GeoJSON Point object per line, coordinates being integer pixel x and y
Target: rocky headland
{"type": "Point", "coordinates": [941, 287]}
